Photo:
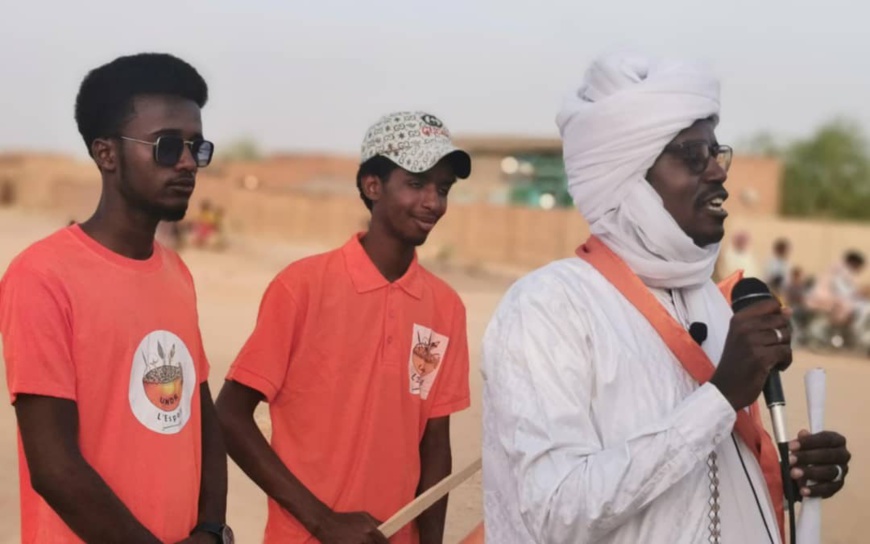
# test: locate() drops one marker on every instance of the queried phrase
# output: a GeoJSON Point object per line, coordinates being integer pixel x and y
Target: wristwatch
{"type": "Point", "coordinates": [221, 531]}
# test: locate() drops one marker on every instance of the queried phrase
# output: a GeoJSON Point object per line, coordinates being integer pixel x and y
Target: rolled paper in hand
{"type": "Point", "coordinates": [809, 524]}
{"type": "Point", "coordinates": [815, 384]}
{"type": "Point", "coordinates": [427, 499]}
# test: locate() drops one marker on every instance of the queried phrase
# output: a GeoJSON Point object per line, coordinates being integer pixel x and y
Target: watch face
{"type": "Point", "coordinates": [227, 535]}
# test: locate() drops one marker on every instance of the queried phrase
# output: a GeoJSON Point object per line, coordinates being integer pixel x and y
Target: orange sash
{"type": "Point", "coordinates": [691, 356]}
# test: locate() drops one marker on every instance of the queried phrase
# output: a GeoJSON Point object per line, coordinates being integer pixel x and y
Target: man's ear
{"type": "Point", "coordinates": [372, 187]}
{"type": "Point", "coordinates": [105, 153]}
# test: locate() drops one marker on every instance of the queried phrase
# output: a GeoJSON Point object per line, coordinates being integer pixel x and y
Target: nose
{"type": "Point", "coordinates": [715, 172]}
{"type": "Point", "coordinates": [186, 162]}
{"type": "Point", "coordinates": [433, 201]}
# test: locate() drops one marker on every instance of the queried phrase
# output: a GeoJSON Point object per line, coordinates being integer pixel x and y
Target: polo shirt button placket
{"type": "Point", "coordinates": [391, 314]}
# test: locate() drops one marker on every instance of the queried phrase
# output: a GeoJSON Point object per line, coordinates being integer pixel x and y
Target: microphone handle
{"type": "Point", "coordinates": [773, 389]}
{"type": "Point", "coordinates": [775, 400]}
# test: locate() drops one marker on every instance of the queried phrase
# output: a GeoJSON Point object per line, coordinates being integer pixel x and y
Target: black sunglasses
{"type": "Point", "coordinates": [697, 153]}
{"type": "Point", "coordinates": [168, 149]}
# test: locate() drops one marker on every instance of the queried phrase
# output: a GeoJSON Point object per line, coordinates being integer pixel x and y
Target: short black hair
{"type": "Point", "coordinates": [855, 258]}
{"type": "Point", "coordinates": [781, 245]}
{"type": "Point", "coordinates": [379, 166]}
{"type": "Point", "coordinates": [105, 98]}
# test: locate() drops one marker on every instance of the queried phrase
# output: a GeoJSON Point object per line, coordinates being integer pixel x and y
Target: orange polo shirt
{"type": "Point", "coordinates": [353, 367]}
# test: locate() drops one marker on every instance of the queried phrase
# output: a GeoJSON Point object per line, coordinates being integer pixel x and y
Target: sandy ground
{"type": "Point", "coordinates": [230, 285]}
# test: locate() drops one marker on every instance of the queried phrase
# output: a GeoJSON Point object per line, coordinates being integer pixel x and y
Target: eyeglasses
{"type": "Point", "coordinates": [168, 149]}
{"type": "Point", "coordinates": [696, 154]}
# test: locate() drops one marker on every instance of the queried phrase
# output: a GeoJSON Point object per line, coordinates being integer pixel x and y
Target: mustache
{"type": "Point", "coordinates": [710, 195]}
{"type": "Point", "coordinates": [185, 181]}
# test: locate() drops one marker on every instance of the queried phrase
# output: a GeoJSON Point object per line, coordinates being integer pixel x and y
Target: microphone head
{"type": "Point", "coordinates": [748, 291]}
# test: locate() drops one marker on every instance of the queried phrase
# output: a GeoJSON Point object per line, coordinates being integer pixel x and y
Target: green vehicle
{"type": "Point", "coordinates": [540, 182]}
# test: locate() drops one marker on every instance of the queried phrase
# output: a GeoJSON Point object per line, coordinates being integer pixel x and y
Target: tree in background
{"type": "Point", "coordinates": [827, 175]}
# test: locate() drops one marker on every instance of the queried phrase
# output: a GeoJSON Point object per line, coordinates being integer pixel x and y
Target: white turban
{"type": "Point", "coordinates": [613, 129]}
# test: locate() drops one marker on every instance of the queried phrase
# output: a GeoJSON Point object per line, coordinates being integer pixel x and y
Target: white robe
{"type": "Point", "coordinates": [594, 432]}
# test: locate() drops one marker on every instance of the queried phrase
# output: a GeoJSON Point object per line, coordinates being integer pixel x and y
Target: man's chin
{"type": "Point", "coordinates": [416, 240]}
{"type": "Point", "coordinates": [707, 240]}
{"type": "Point", "coordinates": [173, 215]}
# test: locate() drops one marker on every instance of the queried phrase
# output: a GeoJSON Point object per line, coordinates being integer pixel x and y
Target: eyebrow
{"type": "Point", "coordinates": [173, 132]}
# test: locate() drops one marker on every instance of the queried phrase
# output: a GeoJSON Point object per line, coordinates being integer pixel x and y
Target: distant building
{"type": "Point", "coordinates": [505, 171]}
{"type": "Point", "coordinates": [515, 170]}
{"type": "Point", "coordinates": [530, 172]}
{"type": "Point", "coordinates": [315, 172]}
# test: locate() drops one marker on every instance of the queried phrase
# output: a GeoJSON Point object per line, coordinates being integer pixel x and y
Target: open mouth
{"type": "Point", "coordinates": [715, 205]}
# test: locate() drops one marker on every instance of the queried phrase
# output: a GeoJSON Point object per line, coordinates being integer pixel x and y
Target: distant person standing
{"type": "Point", "coordinates": [739, 257]}
{"type": "Point", "coordinates": [205, 227]}
{"type": "Point", "coordinates": [119, 442]}
{"type": "Point", "coordinates": [778, 270]}
{"type": "Point", "coordinates": [836, 292]}
{"type": "Point", "coordinates": [220, 229]}
{"type": "Point", "coordinates": [7, 193]}
{"type": "Point", "coordinates": [794, 297]}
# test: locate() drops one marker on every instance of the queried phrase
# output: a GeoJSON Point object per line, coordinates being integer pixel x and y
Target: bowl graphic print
{"type": "Point", "coordinates": [163, 380]}
{"type": "Point", "coordinates": [425, 360]}
{"type": "Point", "coordinates": [163, 387]}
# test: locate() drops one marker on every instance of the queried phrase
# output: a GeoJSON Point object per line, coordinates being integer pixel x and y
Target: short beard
{"type": "Point", "coordinates": [136, 201]}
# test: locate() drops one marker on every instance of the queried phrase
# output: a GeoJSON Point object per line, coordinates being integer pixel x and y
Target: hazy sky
{"type": "Point", "coordinates": [312, 75]}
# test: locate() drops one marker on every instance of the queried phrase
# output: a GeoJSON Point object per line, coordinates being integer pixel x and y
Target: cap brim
{"type": "Point", "coordinates": [461, 162]}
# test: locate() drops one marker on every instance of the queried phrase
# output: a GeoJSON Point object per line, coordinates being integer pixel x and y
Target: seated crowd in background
{"type": "Point", "coordinates": [831, 309]}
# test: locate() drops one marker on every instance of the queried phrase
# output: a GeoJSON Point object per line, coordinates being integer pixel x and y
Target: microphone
{"type": "Point", "coordinates": [747, 292]}
{"type": "Point", "coordinates": [698, 332]}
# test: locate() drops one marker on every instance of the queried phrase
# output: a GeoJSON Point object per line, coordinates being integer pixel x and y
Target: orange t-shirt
{"type": "Point", "coordinates": [353, 367]}
{"type": "Point", "coordinates": [121, 338]}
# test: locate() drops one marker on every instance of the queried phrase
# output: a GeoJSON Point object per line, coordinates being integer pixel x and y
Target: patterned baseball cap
{"type": "Point", "coordinates": [414, 140]}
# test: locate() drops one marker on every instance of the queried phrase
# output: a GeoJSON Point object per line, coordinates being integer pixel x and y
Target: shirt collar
{"type": "Point", "coordinates": [366, 276]}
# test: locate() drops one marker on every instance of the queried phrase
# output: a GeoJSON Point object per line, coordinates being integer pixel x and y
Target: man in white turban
{"type": "Point", "coordinates": [604, 420]}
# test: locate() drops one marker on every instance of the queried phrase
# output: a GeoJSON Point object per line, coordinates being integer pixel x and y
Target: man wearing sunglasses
{"type": "Point", "coordinates": [619, 392]}
{"type": "Point", "coordinates": [362, 356]}
{"type": "Point", "coordinates": [119, 441]}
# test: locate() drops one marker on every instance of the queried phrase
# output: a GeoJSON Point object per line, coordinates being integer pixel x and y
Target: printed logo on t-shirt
{"type": "Point", "coordinates": [427, 352]}
{"type": "Point", "coordinates": [161, 382]}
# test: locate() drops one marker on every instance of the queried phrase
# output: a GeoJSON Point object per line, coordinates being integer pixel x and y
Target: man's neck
{"type": "Point", "coordinates": [126, 232]}
{"type": "Point", "coordinates": [390, 256]}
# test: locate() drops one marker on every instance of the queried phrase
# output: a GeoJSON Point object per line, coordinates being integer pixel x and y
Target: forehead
{"type": "Point", "coordinates": [163, 113]}
{"type": "Point", "coordinates": [702, 129]}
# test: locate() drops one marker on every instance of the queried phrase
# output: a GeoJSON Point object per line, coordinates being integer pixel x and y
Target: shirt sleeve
{"type": "Point", "coordinates": [264, 359]}
{"type": "Point", "coordinates": [539, 383]}
{"type": "Point", "coordinates": [35, 321]}
{"type": "Point", "coordinates": [452, 391]}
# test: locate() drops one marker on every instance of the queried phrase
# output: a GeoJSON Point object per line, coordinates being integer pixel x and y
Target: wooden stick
{"type": "Point", "coordinates": [429, 497]}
